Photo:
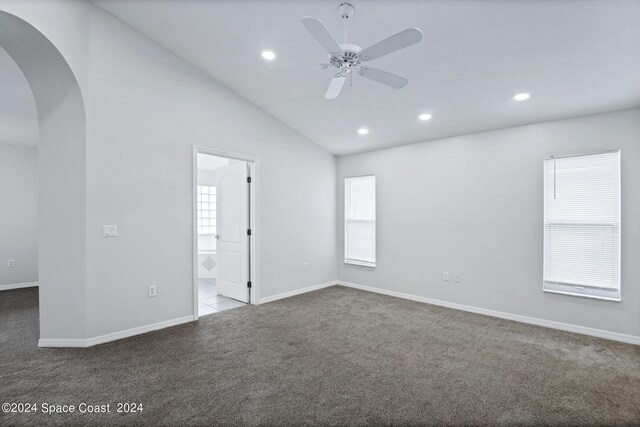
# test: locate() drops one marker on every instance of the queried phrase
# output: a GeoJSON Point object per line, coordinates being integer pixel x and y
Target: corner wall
{"type": "Point", "coordinates": [473, 205]}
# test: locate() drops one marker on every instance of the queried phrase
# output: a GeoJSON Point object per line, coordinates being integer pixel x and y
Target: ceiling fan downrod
{"type": "Point", "coordinates": [346, 11]}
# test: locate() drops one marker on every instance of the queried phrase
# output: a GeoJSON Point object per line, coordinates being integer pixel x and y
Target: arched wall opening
{"type": "Point", "coordinates": [62, 179]}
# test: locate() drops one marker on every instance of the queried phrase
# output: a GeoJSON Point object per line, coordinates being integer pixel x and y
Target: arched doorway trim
{"type": "Point", "coordinates": [62, 180]}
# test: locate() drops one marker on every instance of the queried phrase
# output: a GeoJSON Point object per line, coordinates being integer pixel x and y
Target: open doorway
{"type": "Point", "coordinates": [18, 179]}
{"type": "Point", "coordinates": [222, 232]}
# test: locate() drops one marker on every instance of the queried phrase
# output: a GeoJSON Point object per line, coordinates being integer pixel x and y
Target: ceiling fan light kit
{"type": "Point", "coordinates": [348, 58]}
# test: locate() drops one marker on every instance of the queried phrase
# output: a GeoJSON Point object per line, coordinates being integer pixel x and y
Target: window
{"type": "Point", "coordinates": [206, 209]}
{"type": "Point", "coordinates": [360, 220]}
{"type": "Point", "coordinates": [582, 225]}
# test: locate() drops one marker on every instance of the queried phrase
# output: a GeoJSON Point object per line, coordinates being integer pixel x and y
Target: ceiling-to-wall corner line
{"type": "Point", "coordinates": [488, 130]}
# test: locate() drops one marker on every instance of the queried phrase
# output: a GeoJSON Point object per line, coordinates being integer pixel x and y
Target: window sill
{"type": "Point", "coordinates": [605, 294]}
{"type": "Point", "coordinates": [360, 263]}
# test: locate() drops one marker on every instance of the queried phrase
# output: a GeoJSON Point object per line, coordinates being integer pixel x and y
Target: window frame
{"type": "Point", "coordinates": [354, 261]}
{"type": "Point", "coordinates": [586, 291]}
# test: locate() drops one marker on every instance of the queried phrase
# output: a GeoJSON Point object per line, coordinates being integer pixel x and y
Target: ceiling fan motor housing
{"type": "Point", "coordinates": [350, 57]}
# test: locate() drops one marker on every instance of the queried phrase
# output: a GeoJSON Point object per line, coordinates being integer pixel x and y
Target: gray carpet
{"type": "Point", "coordinates": [336, 356]}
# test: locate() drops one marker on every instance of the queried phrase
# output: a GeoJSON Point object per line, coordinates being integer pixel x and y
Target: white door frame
{"type": "Point", "coordinates": [254, 246]}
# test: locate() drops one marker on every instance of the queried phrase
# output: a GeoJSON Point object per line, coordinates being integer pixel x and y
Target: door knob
{"type": "Point", "coordinates": [217, 236]}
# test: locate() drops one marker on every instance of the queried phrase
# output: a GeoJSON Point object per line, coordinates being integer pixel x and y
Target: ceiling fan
{"type": "Point", "coordinates": [348, 58]}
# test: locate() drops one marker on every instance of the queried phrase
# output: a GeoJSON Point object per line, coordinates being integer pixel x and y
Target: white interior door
{"type": "Point", "coordinates": [231, 226]}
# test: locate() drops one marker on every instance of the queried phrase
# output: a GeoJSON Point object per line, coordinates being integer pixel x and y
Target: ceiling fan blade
{"type": "Point", "coordinates": [321, 34]}
{"type": "Point", "coordinates": [384, 77]}
{"type": "Point", "coordinates": [335, 86]}
{"type": "Point", "coordinates": [396, 42]}
{"type": "Point", "coordinates": [300, 67]}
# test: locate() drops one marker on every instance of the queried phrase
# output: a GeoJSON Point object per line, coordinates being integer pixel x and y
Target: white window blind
{"type": "Point", "coordinates": [360, 220]}
{"type": "Point", "coordinates": [582, 225]}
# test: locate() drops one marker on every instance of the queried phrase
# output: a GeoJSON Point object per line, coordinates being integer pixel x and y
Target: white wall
{"type": "Point", "coordinates": [18, 214]}
{"type": "Point", "coordinates": [473, 204]}
{"type": "Point", "coordinates": [207, 177]}
{"type": "Point", "coordinates": [146, 109]}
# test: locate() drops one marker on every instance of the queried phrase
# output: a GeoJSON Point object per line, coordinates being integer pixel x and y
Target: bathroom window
{"type": "Point", "coordinates": [206, 200]}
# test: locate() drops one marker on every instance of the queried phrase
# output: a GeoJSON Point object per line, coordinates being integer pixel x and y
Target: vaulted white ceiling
{"type": "Point", "coordinates": [574, 57]}
{"type": "Point", "coordinates": [18, 116]}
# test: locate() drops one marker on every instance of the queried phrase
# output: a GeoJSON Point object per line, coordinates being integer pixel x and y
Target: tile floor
{"type": "Point", "coordinates": [209, 300]}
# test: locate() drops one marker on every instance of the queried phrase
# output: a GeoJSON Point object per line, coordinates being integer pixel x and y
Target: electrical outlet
{"type": "Point", "coordinates": [445, 276]}
{"type": "Point", "coordinates": [11, 263]}
{"type": "Point", "coordinates": [153, 291]}
{"type": "Point", "coordinates": [456, 277]}
{"type": "Point", "coordinates": [305, 266]}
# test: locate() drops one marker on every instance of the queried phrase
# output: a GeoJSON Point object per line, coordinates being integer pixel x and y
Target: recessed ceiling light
{"type": "Point", "coordinates": [268, 55]}
{"type": "Point", "coordinates": [521, 96]}
{"type": "Point", "coordinates": [363, 131]}
{"type": "Point", "coordinates": [424, 117]}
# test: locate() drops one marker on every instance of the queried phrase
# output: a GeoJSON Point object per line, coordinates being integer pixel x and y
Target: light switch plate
{"type": "Point", "coordinates": [456, 277]}
{"type": "Point", "coordinates": [109, 231]}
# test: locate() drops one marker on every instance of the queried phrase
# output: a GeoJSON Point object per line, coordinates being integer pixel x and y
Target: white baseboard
{"type": "Point", "coordinates": [113, 336]}
{"type": "Point", "coordinates": [18, 286]}
{"type": "Point", "coordinates": [62, 342]}
{"type": "Point", "coordinates": [631, 339]}
{"type": "Point", "coordinates": [297, 292]}
{"type": "Point", "coordinates": [615, 336]}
